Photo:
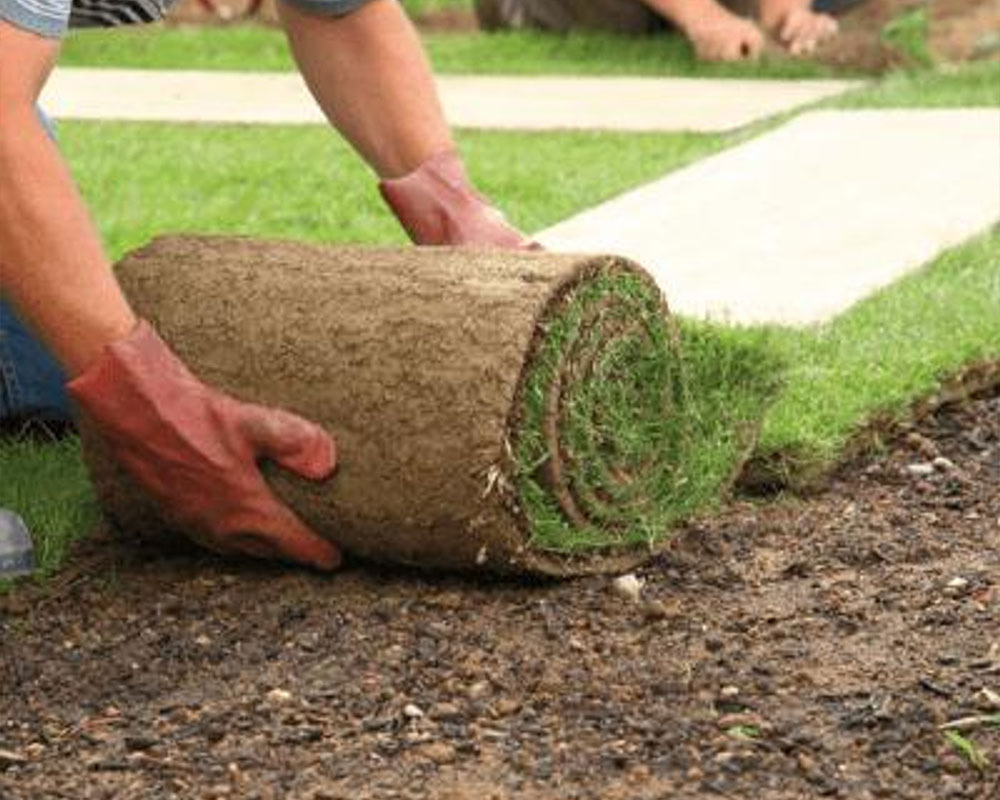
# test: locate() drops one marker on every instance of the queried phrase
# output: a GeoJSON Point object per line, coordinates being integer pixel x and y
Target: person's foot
{"type": "Point", "coordinates": [796, 26]}
{"type": "Point", "coordinates": [720, 35]}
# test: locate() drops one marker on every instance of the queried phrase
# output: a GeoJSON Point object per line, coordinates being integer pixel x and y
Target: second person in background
{"type": "Point", "coordinates": [719, 30]}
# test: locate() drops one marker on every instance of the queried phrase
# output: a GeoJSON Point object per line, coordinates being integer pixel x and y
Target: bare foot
{"type": "Point", "coordinates": [722, 36]}
{"type": "Point", "coordinates": [795, 26]}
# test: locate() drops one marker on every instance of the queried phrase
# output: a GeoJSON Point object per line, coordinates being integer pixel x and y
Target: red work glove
{"type": "Point", "coordinates": [195, 451]}
{"type": "Point", "coordinates": [437, 205]}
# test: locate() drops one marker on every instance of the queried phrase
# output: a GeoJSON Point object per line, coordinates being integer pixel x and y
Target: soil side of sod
{"type": "Point", "coordinates": [798, 648]}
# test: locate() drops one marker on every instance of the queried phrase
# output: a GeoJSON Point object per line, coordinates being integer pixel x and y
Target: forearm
{"type": "Point", "coordinates": [686, 14]}
{"type": "Point", "coordinates": [51, 262]}
{"type": "Point", "coordinates": [368, 72]}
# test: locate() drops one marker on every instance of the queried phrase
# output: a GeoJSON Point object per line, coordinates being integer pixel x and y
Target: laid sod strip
{"type": "Point", "coordinates": [876, 360]}
{"type": "Point", "coordinates": [46, 484]}
{"type": "Point", "coordinates": [258, 48]}
{"type": "Point", "coordinates": [304, 183]}
{"type": "Point", "coordinates": [513, 412]}
{"type": "Point", "coordinates": [969, 85]}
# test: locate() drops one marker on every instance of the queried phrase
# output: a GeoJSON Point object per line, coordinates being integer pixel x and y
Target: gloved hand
{"type": "Point", "coordinates": [195, 451]}
{"type": "Point", "coordinates": [437, 205]}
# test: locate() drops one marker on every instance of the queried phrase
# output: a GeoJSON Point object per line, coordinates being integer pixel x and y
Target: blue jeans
{"type": "Point", "coordinates": [32, 384]}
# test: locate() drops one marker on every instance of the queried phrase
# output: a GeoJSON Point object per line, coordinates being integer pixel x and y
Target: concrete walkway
{"type": "Point", "coordinates": [799, 224]}
{"type": "Point", "coordinates": [619, 104]}
{"type": "Point", "coordinates": [791, 227]}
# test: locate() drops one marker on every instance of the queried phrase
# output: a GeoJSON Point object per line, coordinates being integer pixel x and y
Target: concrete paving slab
{"type": "Point", "coordinates": [622, 104]}
{"type": "Point", "coordinates": [626, 104]}
{"type": "Point", "coordinates": [797, 225]}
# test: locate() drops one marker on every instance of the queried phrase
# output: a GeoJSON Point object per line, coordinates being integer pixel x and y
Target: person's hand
{"type": "Point", "coordinates": [194, 450]}
{"type": "Point", "coordinates": [796, 27]}
{"type": "Point", "coordinates": [719, 35]}
{"type": "Point", "coordinates": [437, 205]}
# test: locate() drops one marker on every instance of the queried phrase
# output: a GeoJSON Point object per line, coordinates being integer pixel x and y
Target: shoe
{"type": "Point", "coordinates": [17, 552]}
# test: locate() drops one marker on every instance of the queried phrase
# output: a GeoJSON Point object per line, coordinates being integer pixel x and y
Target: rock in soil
{"type": "Point", "coordinates": [800, 648]}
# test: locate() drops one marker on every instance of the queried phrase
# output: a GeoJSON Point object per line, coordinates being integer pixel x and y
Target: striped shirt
{"type": "Point", "coordinates": [109, 13]}
{"type": "Point", "coordinates": [51, 18]}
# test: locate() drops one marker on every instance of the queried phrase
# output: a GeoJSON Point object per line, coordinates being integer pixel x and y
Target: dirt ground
{"type": "Point", "coordinates": [789, 648]}
{"type": "Point", "coordinates": [959, 30]}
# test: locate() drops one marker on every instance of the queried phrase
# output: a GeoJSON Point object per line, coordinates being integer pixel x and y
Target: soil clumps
{"type": "Point", "coordinates": [798, 648]}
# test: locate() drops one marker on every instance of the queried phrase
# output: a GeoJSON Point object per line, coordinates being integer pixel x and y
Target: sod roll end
{"type": "Point", "coordinates": [501, 411]}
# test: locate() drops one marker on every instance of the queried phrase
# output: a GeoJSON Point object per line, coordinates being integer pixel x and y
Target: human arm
{"type": "Point", "coordinates": [192, 448]}
{"type": "Point", "coordinates": [51, 261]}
{"type": "Point", "coordinates": [795, 25]}
{"type": "Point", "coordinates": [369, 74]}
{"type": "Point", "coordinates": [716, 33]}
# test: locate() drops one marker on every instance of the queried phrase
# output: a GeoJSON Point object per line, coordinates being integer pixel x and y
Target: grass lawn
{"type": "Point", "coordinates": [300, 182]}
{"type": "Point", "coordinates": [253, 47]}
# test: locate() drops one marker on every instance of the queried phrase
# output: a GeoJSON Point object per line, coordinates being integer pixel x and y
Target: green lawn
{"type": "Point", "coordinates": [301, 182]}
{"type": "Point", "coordinates": [880, 356]}
{"type": "Point", "coordinates": [253, 47]}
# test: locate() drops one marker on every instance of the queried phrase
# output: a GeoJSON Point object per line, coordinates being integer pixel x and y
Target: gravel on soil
{"type": "Point", "coordinates": [788, 648]}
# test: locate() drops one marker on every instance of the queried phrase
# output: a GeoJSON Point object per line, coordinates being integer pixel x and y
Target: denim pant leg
{"type": "Point", "coordinates": [32, 384]}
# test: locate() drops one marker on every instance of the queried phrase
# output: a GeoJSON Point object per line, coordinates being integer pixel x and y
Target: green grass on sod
{"type": "Point", "coordinates": [253, 47]}
{"type": "Point", "coordinates": [627, 425]}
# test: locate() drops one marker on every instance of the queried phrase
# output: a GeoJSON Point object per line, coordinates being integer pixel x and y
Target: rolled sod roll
{"type": "Point", "coordinates": [493, 410]}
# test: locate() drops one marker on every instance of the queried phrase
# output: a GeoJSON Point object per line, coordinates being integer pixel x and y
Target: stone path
{"type": "Point", "coordinates": [621, 104]}
{"type": "Point", "coordinates": [798, 224]}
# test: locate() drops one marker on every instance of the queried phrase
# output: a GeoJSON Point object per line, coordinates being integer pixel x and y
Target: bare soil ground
{"type": "Point", "coordinates": [958, 30]}
{"type": "Point", "coordinates": [793, 648]}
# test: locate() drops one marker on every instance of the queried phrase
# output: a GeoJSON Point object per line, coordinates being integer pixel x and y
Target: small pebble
{"type": "Point", "coordinates": [729, 691]}
{"type": "Point", "coordinates": [411, 711]}
{"type": "Point", "coordinates": [279, 696]}
{"type": "Point", "coordinates": [957, 583]}
{"type": "Point", "coordinates": [140, 741]}
{"type": "Point", "coordinates": [439, 752]}
{"type": "Point", "coordinates": [988, 700]}
{"type": "Point", "coordinates": [478, 690]}
{"type": "Point", "coordinates": [628, 587]}
{"type": "Point", "coordinates": [920, 470]}
{"type": "Point", "coordinates": [653, 610]}
{"type": "Point", "coordinates": [445, 711]}
{"type": "Point", "coordinates": [506, 706]}
{"type": "Point", "coordinates": [806, 763]}
{"type": "Point", "coordinates": [943, 464]}
{"type": "Point", "coordinates": [742, 719]}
